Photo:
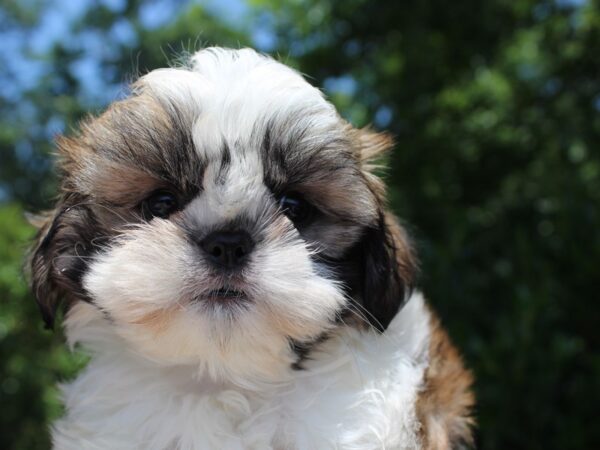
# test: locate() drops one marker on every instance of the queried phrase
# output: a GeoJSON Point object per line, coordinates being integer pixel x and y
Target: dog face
{"type": "Point", "coordinates": [223, 215]}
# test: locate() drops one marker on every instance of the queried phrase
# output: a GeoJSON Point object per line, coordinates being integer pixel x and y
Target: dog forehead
{"type": "Point", "coordinates": [234, 95]}
{"type": "Point", "coordinates": [229, 113]}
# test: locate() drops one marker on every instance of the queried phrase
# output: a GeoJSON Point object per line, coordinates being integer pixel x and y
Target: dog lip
{"type": "Point", "coordinates": [226, 294]}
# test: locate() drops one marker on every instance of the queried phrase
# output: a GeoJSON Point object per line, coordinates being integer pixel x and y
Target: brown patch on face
{"type": "Point", "coordinates": [343, 193]}
{"type": "Point", "coordinates": [320, 162]}
{"type": "Point", "coordinates": [322, 167]}
{"type": "Point", "coordinates": [444, 405]}
{"type": "Point", "coordinates": [123, 186]}
{"type": "Point", "coordinates": [136, 146]}
{"type": "Point", "coordinates": [156, 321]}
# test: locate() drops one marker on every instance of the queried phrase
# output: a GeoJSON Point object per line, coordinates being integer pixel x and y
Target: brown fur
{"type": "Point", "coordinates": [406, 258]}
{"type": "Point", "coordinates": [156, 321]}
{"type": "Point", "coordinates": [137, 145]}
{"type": "Point", "coordinates": [444, 405]}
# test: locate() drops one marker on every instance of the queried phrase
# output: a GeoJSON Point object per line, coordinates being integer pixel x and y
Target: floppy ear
{"type": "Point", "coordinates": [389, 264]}
{"type": "Point", "coordinates": [389, 269]}
{"type": "Point", "coordinates": [57, 262]}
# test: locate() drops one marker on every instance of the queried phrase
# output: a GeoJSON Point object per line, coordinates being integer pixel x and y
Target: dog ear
{"type": "Point", "coordinates": [57, 261]}
{"type": "Point", "coordinates": [389, 263]}
{"type": "Point", "coordinates": [389, 270]}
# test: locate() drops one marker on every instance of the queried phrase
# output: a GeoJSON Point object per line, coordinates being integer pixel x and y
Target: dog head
{"type": "Point", "coordinates": [222, 215]}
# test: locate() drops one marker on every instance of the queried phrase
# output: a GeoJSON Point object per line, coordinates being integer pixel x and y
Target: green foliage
{"type": "Point", "coordinates": [495, 107]}
{"type": "Point", "coordinates": [32, 360]}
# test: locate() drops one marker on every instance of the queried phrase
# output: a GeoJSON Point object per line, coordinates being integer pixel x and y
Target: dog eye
{"type": "Point", "coordinates": [296, 208]}
{"type": "Point", "coordinates": [160, 204]}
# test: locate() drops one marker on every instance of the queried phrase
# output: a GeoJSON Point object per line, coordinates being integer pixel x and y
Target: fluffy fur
{"type": "Point", "coordinates": [311, 340]}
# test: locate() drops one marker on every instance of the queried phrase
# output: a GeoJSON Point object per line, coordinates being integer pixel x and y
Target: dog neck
{"type": "Point", "coordinates": [365, 380]}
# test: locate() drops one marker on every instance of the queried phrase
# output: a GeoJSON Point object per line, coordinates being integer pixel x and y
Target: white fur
{"type": "Point", "coordinates": [358, 392]}
{"type": "Point", "coordinates": [234, 93]}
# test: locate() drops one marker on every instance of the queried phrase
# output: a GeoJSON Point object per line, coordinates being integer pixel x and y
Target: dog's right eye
{"type": "Point", "coordinates": [160, 204]}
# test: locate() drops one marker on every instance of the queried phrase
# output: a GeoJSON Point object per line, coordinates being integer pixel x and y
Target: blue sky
{"type": "Point", "coordinates": [22, 63]}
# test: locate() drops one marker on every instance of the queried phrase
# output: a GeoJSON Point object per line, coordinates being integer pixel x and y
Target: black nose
{"type": "Point", "coordinates": [227, 248]}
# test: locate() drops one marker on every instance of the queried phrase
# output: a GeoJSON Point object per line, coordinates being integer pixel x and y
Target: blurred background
{"type": "Point", "coordinates": [495, 106]}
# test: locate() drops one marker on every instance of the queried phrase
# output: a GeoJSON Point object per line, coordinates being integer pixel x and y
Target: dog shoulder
{"type": "Point", "coordinates": [445, 403]}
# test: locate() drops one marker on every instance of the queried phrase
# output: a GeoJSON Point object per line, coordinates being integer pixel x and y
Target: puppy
{"type": "Point", "coordinates": [222, 250]}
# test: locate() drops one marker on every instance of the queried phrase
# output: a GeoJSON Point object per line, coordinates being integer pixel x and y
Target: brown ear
{"type": "Point", "coordinates": [389, 263]}
{"type": "Point", "coordinates": [58, 259]}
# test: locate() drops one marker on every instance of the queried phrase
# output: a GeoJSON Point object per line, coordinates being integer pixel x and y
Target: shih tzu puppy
{"type": "Point", "coordinates": [222, 250]}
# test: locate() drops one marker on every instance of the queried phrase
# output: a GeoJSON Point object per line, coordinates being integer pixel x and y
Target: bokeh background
{"type": "Point", "coordinates": [495, 106]}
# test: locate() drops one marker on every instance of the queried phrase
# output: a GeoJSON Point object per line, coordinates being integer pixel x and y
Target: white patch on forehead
{"type": "Point", "coordinates": [231, 192]}
{"type": "Point", "coordinates": [249, 87]}
{"type": "Point", "coordinates": [234, 94]}
{"type": "Point", "coordinates": [181, 87]}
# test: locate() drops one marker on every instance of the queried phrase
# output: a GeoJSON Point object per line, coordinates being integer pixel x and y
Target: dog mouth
{"type": "Point", "coordinates": [226, 294]}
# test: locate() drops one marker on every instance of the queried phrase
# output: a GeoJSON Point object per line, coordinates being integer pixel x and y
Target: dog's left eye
{"type": "Point", "coordinates": [160, 204]}
{"type": "Point", "coordinates": [296, 208]}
